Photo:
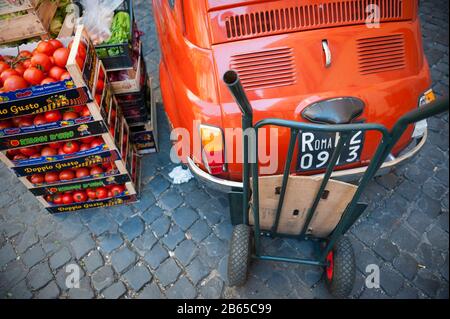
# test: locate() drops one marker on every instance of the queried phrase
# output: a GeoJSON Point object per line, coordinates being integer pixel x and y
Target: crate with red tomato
{"type": "Point", "coordinates": [78, 174]}
{"type": "Point", "coordinates": [49, 75]}
{"type": "Point", "coordinates": [52, 126]}
{"type": "Point", "coordinates": [77, 199]}
{"type": "Point", "coordinates": [89, 194]}
{"type": "Point", "coordinates": [76, 183]}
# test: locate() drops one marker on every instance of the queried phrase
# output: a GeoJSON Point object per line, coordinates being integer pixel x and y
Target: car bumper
{"type": "Point", "coordinates": [343, 175]}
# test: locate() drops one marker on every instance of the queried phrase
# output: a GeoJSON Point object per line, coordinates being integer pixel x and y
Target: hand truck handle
{"type": "Point", "coordinates": [434, 108]}
{"type": "Point", "coordinates": [231, 79]}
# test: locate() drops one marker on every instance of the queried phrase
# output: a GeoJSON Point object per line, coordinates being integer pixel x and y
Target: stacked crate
{"type": "Point", "coordinates": [134, 95]}
{"type": "Point", "coordinates": [113, 154]}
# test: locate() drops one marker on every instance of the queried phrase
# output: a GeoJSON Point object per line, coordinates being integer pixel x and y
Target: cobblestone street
{"type": "Point", "coordinates": [174, 242]}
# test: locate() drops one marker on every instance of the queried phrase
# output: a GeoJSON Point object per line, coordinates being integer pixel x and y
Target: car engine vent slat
{"type": "Point", "coordinates": [289, 16]}
{"type": "Point", "coordinates": [265, 69]}
{"type": "Point", "coordinates": [381, 54]}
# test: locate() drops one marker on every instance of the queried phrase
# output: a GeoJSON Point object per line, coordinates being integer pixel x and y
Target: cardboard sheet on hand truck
{"type": "Point", "coordinates": [300, 193]}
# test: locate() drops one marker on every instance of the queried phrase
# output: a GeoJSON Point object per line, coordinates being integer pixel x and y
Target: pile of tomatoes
{"type": "Point", "coordinates": [55, 148]}
{"type": "Point", "coordinates": [46, 64]}
{"type": "Point", "coordinates": [71, 174]}
{"type": "Point", "coordinates": [46, 118]}
{"type": "Point", "coordinates": [82, 196]}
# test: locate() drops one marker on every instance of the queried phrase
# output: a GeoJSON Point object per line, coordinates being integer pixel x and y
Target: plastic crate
{"type": "Point", "coordinates": [122, 60]}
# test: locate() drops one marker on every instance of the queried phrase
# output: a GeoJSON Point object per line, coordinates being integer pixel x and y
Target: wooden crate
{"type": "Point", "coordinates": [145, 137]}
{"type": "Point", "coordinates": [33, 23]}
{"type": "Point", "coordinates": [133, 84]}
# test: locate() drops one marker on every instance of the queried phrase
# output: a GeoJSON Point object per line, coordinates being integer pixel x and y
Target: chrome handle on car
{"type": "Point", "coordinates": [326, 50]}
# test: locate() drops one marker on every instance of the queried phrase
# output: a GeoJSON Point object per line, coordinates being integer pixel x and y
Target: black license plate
{"type": "Point", "coordinates": [316, 149]}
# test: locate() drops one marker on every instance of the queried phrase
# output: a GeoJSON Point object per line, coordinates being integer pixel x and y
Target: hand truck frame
{"type": "Point", "coordinates": [337, 255]}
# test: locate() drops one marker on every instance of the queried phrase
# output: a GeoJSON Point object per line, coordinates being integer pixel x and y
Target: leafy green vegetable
{"type": "Point", "coordinates": [120, 33]}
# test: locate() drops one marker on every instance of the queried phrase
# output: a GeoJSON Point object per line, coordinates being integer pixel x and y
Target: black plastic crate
{"type": "Point", "coordinates": [119, 56]}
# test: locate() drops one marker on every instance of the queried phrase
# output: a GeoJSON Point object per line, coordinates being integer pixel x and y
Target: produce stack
{"type": "Point", "coordinates": [61, 130]}
{"type": "Point", "coordinates": [125, 65]}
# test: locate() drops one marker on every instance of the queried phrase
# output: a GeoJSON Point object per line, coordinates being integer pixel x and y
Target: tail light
{"type": "Point", "coordinates": [421, 126]}
{"type": "Point", "coordinates": [212, 149]}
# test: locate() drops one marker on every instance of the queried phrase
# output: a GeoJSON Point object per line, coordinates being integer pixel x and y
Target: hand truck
{"type": "Point", "coordinates": [336, 253]}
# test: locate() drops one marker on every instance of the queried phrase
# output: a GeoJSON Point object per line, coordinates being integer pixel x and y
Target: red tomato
{"type": "Point", "coordinates": [71, 147]}
{"type": "Point", "coordinates": [56, 43]}
{"type": "Point", "coordinates": [37, 178]}
{"type": "Point", "coordinates": [20, 68]}
{"type": "Point", "coordinates": [66, 175]}
{"type": "Point", "coordinates": [78, 108]}
{"type": "Point", "coordinates": [42, 62]}
{"type": "Point", "coordinates": [85, 147]}
{"type": "Point", "coordinates": [53, 116]}
{"type": "Point", "coordinates": [100, 86]}
{"type": "Point", "coordinates": [28, 151]}
{"type": "Point", "coordinates": [48, 151]}
{"type": "Point", "coordinates": [101, 193]}
{"type": "Point", "coordinates": [98, 98]}
{"type": "Point", "coordinates": [25, 122]}
{"type": "Point", "coordinates": [67, 199]}
{"type": "Point", "coordinates": [56, 145]}
{"type": "Point", "coordinates": [19, 157]}
{"type": "Point", "coordinates": [37, 155]}
{"type": "Point", "coordinates": [69, 116]}
{"type": "Point", "coordinates": [51, 177]}
{"type": "Point", "coordinates": [65, 76]}
{"type": "Point", "coordinates": [14, 82]}
{"type": "Point", "coordinates": [87, 140]}
{"type": "Point", "coordinates": [61, 55]}
{"type": "Point", "coordinates": [95, 170]}
{"type": "Point", "coordinates": [11, 153]}
{"type": "Point", "coordinates": [48, 81]}
{"type": "Point", "coordinates": [81, 49]}
{"type": "Point", "coordinates": [27, 63]}
{"type": "Point", "coordinates": [82, 172]}
{"type": "Point", "coordinates": [34, 76]}
{"type": "Point", "coordinates": [116, 190]}
{"type": "Point", "coordinates": [25, 54]}
{"type": "Point", "coordinates": [97, 142]}
{"type": "Point", "coordinates": [56, 72]}
{"type": "Point", "coordinates": [85, 112]}
{"type": "Point", "coordinates": [61, 152]}
{"type": "Point", "coordinates": [7, 73]}
{"type": "Point", "coordinates": [80, 62]}
{"type": "Point", "coordinates": [39, 120]}
{"type": "Point", "coordinates": [80, 196]}
{"type": "Point", "coordinates": [45, 47]}
{"type": "Point", "coordinates": [5, 124]}
{"type": "Point", "coordinates": [57, 199]}
{"type": "Point", "coordinates": [4, 66]}
{"type": "Point", "coordinates": [91, 193]}
{"type": "Point", "coordinates": [107, 166]}
{"type": "Point", "coordinates": [9, 59]}
{"type": "Point", "coordinates": [101, 74]}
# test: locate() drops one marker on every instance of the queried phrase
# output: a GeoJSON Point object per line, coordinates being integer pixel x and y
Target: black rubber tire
{"type": "Point", "coordinates": [344, 270]}
{"type": "Point", "coordinates": [239, 255]}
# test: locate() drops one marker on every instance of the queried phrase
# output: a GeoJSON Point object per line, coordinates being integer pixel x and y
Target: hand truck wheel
{"type": "Point", "coordinates": [239, 255]}
{"type": "Point", "coordinates": [341, 268]}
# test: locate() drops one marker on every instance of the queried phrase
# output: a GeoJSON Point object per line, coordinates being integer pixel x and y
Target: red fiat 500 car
{"type": "Point", "coordinates": [290, 54]}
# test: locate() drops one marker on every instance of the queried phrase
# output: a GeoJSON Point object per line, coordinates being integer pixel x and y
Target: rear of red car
{"type": "Point", "coordinates": [290, 54]}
